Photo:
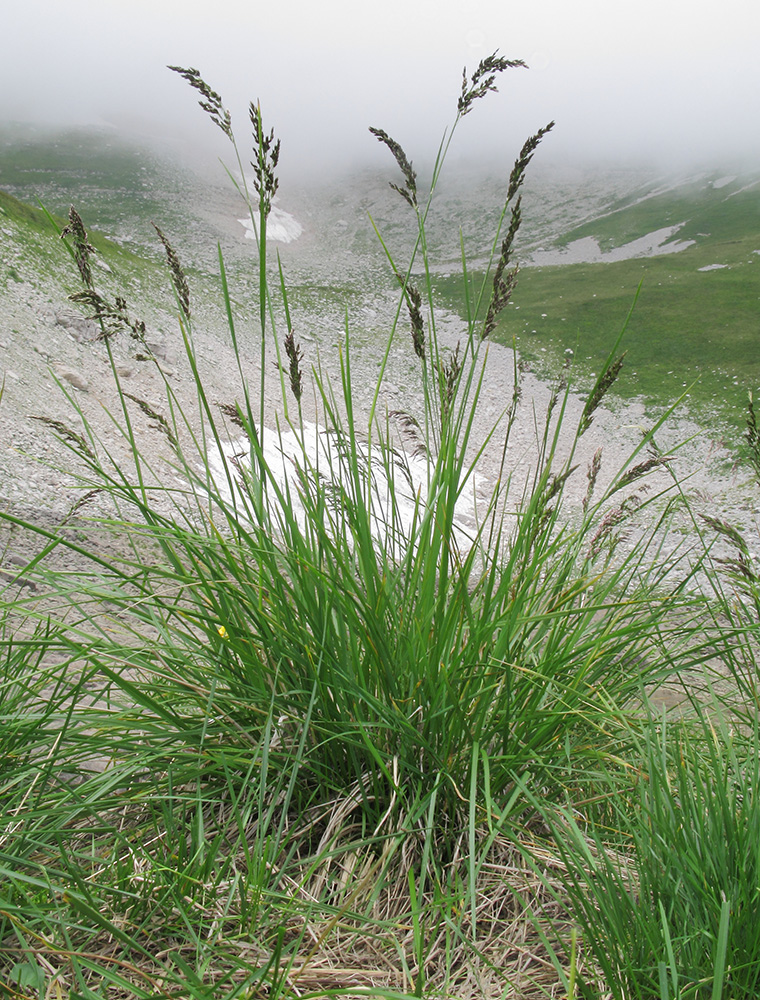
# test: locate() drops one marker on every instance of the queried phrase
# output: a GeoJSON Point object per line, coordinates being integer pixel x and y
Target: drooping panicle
{"type": "Point", "coordinates": [83, 249]}
{"type": "Point", "coordinates": [505, 279]}
{"type": "Point", "coordinates": [482, 80]}
{"type": "Point", "coordinates": [112, 316]}
{"type": "Point", "coordinates": [67, 434]}
{"type": "Point", "coordinates": [408, 193]}
{"type": "Point", "coordinates": [414, 305]}
{"type": "Point", "coordinates": [161, 423]}
{"type": "Point", "coordinates": [178, 276]}
{"type": "Point", "coordinates": [450, 369]}
{"type": "Point", "coordinates": [212, 103]}
{"type": "Point", "coordinates": [752, 437]}
{"type": "Point", "coordinates": [603, 384]}
{"type": "Point", "coordinates": [231, 411]}
{"type": "Point", "coordinates": [592, 475]}
{"type": "Point", "coordinates": [517, 175]}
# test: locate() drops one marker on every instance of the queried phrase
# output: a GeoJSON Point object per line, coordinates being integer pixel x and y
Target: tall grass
{"type": "Point", "coordinates": [291, 729]}
{"type": "Point", "coordinates": [665, 891]}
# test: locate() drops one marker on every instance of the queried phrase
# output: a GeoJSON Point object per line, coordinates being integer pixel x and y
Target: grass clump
{"type": "Point", "coordinates": [665, 894]}
{"type": "Point", "coordinates": [300, 723]}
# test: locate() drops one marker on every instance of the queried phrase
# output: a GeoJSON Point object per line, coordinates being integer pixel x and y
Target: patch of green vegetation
{"type": "Point", "coordinates": [688, 325]}
{"type": "Point", "coordinates": [34, 254]}
{"type": "Point", "coordinates": [726, 212]}
{"type": "Point", "coordinates": [72, 159]}
{"type": "Point", "coordinates": [22, 214]}
{"type": "Point", "coordinates": [118, 187]}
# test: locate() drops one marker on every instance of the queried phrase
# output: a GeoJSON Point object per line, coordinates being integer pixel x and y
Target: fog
{"type": "Point", "coordinates": [650, 81]}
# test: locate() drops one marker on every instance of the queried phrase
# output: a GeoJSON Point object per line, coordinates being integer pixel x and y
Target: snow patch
{"type": "Point", "coordinates": [394, 483]}
{"type": "Point", "coordinates": [588, 251]}
{"type": "Point", "coordinates": [281, 226]}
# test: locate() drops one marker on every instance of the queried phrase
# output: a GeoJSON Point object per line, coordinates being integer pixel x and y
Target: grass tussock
{"type": "Point", "coordinates": [313, 725]}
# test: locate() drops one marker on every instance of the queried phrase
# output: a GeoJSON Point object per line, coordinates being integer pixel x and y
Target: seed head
{"type": "Point", "coordinates": [482, 80]}
{"type": "Point", "coordinates": [517, 175]}
{"type": "Point", "coordinates": [593, 472]}
{"type": "Point", "coordinates": [267, 152]}
{"type": "Point", "coordinates": [68, 435]}
{"type": "Point", "coordinates": [603, 384]}
{"type": "Point", "coordinates": [414, 305]}
{"type": "Point", "coordinates": [503, 283]}
{"type": "Point", "coordinates": [231, 411]}
{"type": "Point", "coordinates": [752, 437]}
{"type": "Point", "coordinates": [179, 279]}
{"type": "Point", "coordinates": [449, 368]}
{"type": "Point", "coordinates": [408, 193]}
{"type": "Point", "coordinates": [212, 104]}
{"type": "Point", "coordinates": [83, 249]}
{"type": "Point", "coordinates": [295, 356]}
{"type": "Point", "coordinates": [162, 424]}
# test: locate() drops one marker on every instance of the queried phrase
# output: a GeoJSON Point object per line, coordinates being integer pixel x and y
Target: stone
{"type": "Point", "coordinates": [79, 328]}
{"type": "Point", "coordinates": [74, 378]}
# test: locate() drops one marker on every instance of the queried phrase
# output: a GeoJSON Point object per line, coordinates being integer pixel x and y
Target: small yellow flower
{"type": "Point", "coordinates": [222, 631]}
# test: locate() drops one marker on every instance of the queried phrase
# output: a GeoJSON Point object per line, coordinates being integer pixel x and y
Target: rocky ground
{"type": "Point", "coordinates": [58, 381]}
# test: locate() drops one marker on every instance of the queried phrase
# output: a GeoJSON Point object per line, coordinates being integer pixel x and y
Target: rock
{"type": "Point", "coordinates": [81, 329]}
{"type": "Point", "coordinates": [74, 378]}
{"type": "Point", "coordinates": [160, 350]}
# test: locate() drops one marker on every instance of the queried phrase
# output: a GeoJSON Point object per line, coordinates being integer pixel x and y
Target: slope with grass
{"type": "Point", "coordinates": [696, 325]}
{"type": "Point", "coordinates": [285, 742]}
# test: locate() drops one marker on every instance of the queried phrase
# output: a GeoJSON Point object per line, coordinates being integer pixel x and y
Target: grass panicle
{"type": "Point", "coordinates": [592, 475]}
{"type": "Point", "coordinates": [483, 80]}
{"type": "Point", "coordinates": [267, 152]}
{"type": "Point", "coordinates": [504, 279]}
{"type": "Point", "coordinates": [82, 249]}
{"type": "Point", "coordinates": [409, 191]}
{"type": "Point", "coordinates": [517, 176]}
{"type": "Point", "coordinates": [211, 102]}
{"type": "Point", "coordinates": [752, 437]}
{"type": "Point", "coordinates": [602, 386]}
{"type": "Point", "coordinates": [160, 421]}
{"type": "Point", "coordinates": [294, 355]}
{"type": "Point", "coordinates": [66, 434]}
{"type": "Point", "coordinates": [178, 276]}
{"type": "Point", "coordinates": [413, 299]}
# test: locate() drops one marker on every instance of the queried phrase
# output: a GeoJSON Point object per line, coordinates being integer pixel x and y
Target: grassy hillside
{"type": "Point", "coordinates": [297, 705]}
{"type": "Point", "coordinates": [688, 324]}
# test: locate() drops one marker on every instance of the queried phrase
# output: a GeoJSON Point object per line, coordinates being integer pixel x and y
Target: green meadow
{"type": "Point", "coordinates": [691, 331]}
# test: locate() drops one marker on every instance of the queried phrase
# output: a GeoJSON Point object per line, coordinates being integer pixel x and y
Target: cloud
{"type": "Point", "coordinates": [645, 79]}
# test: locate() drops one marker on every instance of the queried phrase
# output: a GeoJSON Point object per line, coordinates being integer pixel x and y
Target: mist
{"type": "Point", "coordinates": [659, 83]}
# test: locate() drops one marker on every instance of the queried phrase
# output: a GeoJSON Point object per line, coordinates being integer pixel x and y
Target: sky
{"type": "Point", "coordinates": [631, 81]}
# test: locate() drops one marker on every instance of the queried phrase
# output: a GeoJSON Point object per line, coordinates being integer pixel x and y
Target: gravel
{"type": "Point", "coordinates": [57, 373]}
